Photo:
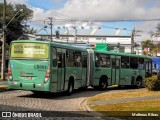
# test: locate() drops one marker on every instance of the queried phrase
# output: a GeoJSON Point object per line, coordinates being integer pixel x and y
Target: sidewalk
{"type": "Point", "coordinates": [97, 103]}
{"type": "Point", "coordinates": [123, 100]}
{"type": "Point", "coordinates": [3, 85]}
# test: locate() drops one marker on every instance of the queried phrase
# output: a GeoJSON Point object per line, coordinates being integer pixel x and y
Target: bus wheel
{"type": "Point", "coordinates": [37, 92]}
{"type": "Point", "coordinates": [138, 83]}
{"type": "Point", "coordinates": [103, 83]}
{"type": "Point", "coordinates": [84, 88]}
{"type": "Point", "coordinates": [70, 88]}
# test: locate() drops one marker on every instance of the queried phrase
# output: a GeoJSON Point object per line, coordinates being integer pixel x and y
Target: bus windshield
{"type": "Point", "coordinates": [30, 50]}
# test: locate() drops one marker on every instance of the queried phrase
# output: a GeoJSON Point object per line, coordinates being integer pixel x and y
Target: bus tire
{"type": "Point", "coordinates": [84, 88]}
{"type": "Point", "coordinates": [138, 82]}
{"type": "Point", "coordinates": [103, 83]}
{"type": "Point", "coordinates": [70, 88]}
{"type": "Point", "coordinates": [37, 92]}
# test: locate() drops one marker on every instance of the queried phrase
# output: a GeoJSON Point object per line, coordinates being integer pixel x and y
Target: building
{"type": "Point", "coordinates": [124, 41]}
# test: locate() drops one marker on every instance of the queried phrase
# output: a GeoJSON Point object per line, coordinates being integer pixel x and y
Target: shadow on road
{"type": "Point", "coordinates": [76, 93]}
{"type": "Point", "coordinates": [21, 113]}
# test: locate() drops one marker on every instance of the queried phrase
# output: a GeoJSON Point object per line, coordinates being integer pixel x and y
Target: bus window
{"type": "Point", "coordinates": [70, 58]}
{"type": "Point", "coordinates": [133, 63]}
{"type": "Point", "coordinates": [148, 68]}
{"type": "Point", "coordinates": [54, 57]}
{"type": "Point", "coordinates": [113, 63]}
{"type": "Point", "coordinates": [104, 61]}
{"type": "Point", "coordinates": [78, 59]}
{"type": "Point", "coordinates": [84, 60]}
{"type": "Point", "coordinates": [108, 61]}
{"type": "Point", "coordinates": [59, 60]}
{"type": "Point", "coordinates": [125, 62]}
{"type": "Point", "coordinates": [117, 64]}
{"type": "Point", "coordinates": [97, 60]}
{"type": "Point", "coordinates": [141, 63]}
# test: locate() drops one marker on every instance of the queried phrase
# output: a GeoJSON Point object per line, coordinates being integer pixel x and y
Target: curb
{"type": "Point", "coordinates": [95, 113]}
{"type": "Point", "coordinates": [3, 88]}
{"type": "Point", "coordinates": [88, 109]}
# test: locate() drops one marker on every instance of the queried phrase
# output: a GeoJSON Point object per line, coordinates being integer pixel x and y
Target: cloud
{"type": "Point", "coordinates": [101, 10]}
{"type": "Point", "coordinates": [18, 1]}
{"type": "Point", "coordinates": [147, 28]}
{"type": "Point", "coordinates": [109, 10]}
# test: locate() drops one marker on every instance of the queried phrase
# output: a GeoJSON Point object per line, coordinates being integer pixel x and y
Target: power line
{"type": "Point", "coordinates": [52, 12]}
{"type": "Point", "coordinates": [129, 20]}
{"type": "Point", "coordinates": [74, 19]}
{"type": "Point", "coordinates": [71, 19]}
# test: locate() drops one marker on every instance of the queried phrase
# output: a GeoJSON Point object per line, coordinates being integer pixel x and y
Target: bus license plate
{"type": "Point", "coordinates": [28, 78]}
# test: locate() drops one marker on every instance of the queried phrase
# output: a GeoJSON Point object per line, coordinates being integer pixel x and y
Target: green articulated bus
{"type": "Point", "coordinates": [53, 67]}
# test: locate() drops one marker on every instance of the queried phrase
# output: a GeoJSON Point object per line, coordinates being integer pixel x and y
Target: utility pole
{"type": "Point", "coordinates": [3, 43]}
{"type": "Point", "coordinates": [67, 35]}
{"type": "Point", "coordinates": [132, 41]}
{"type": "Point", "coordinates": [51, 24]}
{"type": "Point", "coordinates": [75, 37]}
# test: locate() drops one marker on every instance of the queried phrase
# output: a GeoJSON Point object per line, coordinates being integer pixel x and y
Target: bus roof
{"type": "Point", "coordinates": [81, 48]}
{"type": "Point", "coordinates": [123, 54]}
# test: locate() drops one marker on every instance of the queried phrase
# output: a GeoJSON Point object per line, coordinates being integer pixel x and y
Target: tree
{"type": "Point", "coordinates": [16, 28]}
{"type": "Point", "coordinates": [156, 48]}
{"type": "Point", "coordinates": [136, 44]}
{"type": "Point", "coordinates": [157, 33]}
{"type": "Point", "coordinates": [31, 31]}
{"type": "Point", "coordinates": [147, 44]}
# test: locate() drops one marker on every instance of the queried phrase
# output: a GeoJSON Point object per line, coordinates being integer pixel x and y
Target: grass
{"type": "Point", "coordinates": [143, 105]}
{"type": "Point", "coordinates": [126, 94]}
{"type": "Point", "coordinates": [121, 110]}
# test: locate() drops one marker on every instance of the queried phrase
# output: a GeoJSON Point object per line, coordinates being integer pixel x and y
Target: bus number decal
{"type": "Point", "coordinates": [40, 67]}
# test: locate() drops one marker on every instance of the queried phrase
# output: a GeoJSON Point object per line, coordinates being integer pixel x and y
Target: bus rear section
{"type": "Point", "coordinates": [28, 67]}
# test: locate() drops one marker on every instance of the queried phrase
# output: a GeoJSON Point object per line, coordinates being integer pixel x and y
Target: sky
{"type": "Point", "coordinates": [109, 15]}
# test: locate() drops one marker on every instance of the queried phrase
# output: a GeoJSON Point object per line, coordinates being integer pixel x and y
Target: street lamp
{"type": "Point", "coordinates": [21, 10]}
{"type": "Point", "coordinates": [44, 27]}
{"type": "Point", "coordinates": [3, 67]}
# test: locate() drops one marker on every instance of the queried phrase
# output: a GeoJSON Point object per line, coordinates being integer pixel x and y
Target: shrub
{"type": "Point", "coordinates": [152, 83]}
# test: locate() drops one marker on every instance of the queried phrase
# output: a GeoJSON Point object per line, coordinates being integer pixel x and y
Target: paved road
{"type": "Point", "coordinates": [19, 100]}
{"type": "Point", "coordinates": [23, 100]}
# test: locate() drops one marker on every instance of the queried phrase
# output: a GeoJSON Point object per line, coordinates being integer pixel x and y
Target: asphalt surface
{"type": "Point", "coordinates": [58, 106]}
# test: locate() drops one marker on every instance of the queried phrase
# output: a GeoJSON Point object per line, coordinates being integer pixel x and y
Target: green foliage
{"type": "Point", "coordinates": [152, 83]}
{"type": "Point", "coordinates": [17, 26]}
{"type": "Point", "coordinates": [147, 44]}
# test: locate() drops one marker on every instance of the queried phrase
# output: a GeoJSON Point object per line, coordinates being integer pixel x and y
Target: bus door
{"type": "Point", "coordinates": [54, 70]}
{"type": "Point", "coordinates": [61, 69]}
{"type": "Point", "coordinates": [84, 69]}
{"type": "Point", "coordinates": [115, 71]}
{"type": "Point", "coordinates": [148, 68]}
